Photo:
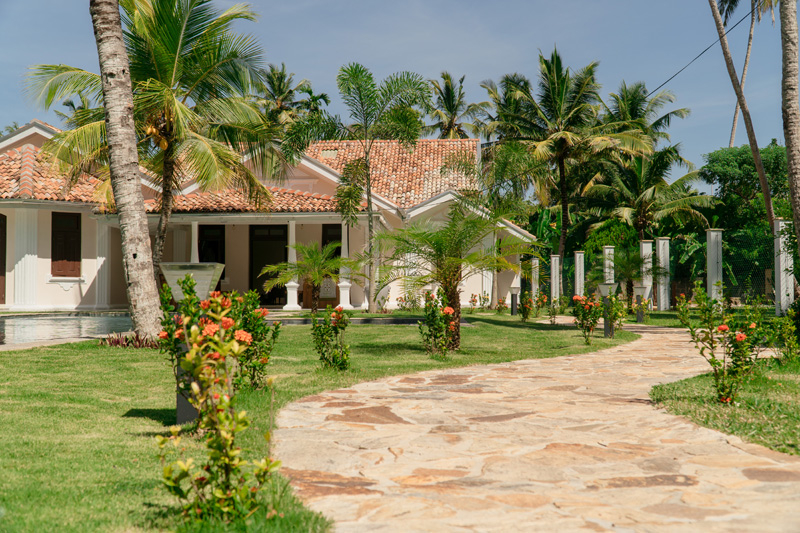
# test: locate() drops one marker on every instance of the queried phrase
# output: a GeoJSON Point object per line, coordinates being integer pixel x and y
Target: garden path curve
{"type": "Point", "coordinates": [563, 444]}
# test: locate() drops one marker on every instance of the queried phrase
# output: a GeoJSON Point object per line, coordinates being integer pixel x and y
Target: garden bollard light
{"type": "Point", "coordinates": [639, 293]}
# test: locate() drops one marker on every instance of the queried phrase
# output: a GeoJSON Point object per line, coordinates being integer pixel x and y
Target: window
{"type": "Point", "coordinates": [66, 245]}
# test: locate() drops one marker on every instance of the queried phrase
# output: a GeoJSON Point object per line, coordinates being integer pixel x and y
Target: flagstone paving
{"type": "Point", "coordinates": [561, 444]}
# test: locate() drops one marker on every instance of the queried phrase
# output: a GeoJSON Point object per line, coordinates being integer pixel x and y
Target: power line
{"type": "Point", "coordinates": [703, 52]}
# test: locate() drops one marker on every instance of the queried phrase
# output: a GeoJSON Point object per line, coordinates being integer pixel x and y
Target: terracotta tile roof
{"type": "Point", "coordinates": [404, 177]}
{"type": "Point", "coordinates": [24, 174]}
{"type": "Point", "coordinates": [233, 201]}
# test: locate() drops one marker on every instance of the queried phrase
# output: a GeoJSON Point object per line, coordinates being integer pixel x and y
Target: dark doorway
{"type": "Point", "coordinates": [3, 229]}
{"type": "Point", "coordinates": [268, 247]}
{"type": "Point", "coordinates": [211, 246]}
{"type": "Point", "coordinates": [332, 233]}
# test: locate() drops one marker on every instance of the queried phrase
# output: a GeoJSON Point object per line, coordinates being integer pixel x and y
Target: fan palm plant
{"type": "Point", "coordinates": [446, 254]}
{"type": "Point", "coordinates": [378, 111]}
{"type": "Point", "coordinates": [193, 111]}
{"type": "Point", "coordinates": [640, 195]}
{"type": "Point", "coordinates": [313, 265]}
{"type": "Point", "coordinates": [451, 111]}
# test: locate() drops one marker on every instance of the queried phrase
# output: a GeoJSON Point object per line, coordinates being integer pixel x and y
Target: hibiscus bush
{"type": "Point", "coordinates": [729, 342]}
{"type": "Point", "coordinates": [328, 335]}
{"type": "Point", "coordinates": [587, 313]}
{"type": "Point", "coordinates": [502, 306]}
{"type": "Point", "coordinates": [251, 317]}
{"type": "Point", "coordinates": [437, 324]}
{"type": "Point", "coordinates": [539, 303]}
{"type": "Point", "coordinates": [525, 306]}
{"type": "Point", "coordinates": [207, 344]}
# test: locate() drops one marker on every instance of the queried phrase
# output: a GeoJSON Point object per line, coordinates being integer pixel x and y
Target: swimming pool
{"type": "Point", "coordinates": [22, 329]}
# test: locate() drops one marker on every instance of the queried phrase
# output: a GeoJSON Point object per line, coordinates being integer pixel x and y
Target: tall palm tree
{"type": "Point", "coordinates": [11, 128]}
{"type": "Point", "coordinates": [502, 103]}
{"type": "Point", "coordinates": [447, 254]}
{"type": "Point", "coordinates": [631, 106]}
{"type": "Point", "coordinates": [561, 122]}
{"type": "Point", "coordinates": [378, 110]}
{"type": "Point", "coordinates": [451, 111]}
{"type": "Point", "coordinates": [313, 265]}
{"type": "Point", "coordinates": [790, 95]}
{"type": "Point", "coordinates": [748, 123]}
{"type": "Point", "coordinates": [280, 93]}
{"type": "Point", "coordinates": [192, 78]}
{"type": "Point", "coordinates": [142, 293]}
{"type": "Point", "coordinates": [640, 195]}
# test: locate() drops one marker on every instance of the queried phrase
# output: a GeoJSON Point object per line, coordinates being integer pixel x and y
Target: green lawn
{"type": "Point", "coordinates": [767, 411]}
{"type": "Point", "coordinates": [78, 421]}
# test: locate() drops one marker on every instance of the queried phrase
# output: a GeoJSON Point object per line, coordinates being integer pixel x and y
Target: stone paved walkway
{"type": "Point", "coordinates": [563, 444]}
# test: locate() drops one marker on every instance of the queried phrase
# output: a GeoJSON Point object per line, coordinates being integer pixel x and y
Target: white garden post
{"type": "Point", "coordinates": [292, 286]}
{"type": "Point", "coordinates": [662, 255]}
{"type": "Point", "coordinates": [555, 278]}
{"type": "Point", "coordinates": [608, 264]}
{"type": "Point", "coordinates": [646, 253]}
{"type": "Point", "coordinates": [534, 278]}
{"type": "Point", "coordinates": [784, 266]}
{"type": "Point", "coordinates": [194, 253]}
{"type": "Point", "coordinates": [344, 278]}
{"type": "Point", "coordinates": [714, 263]}
{"type": "Point", "coordinates": [579, 275]}
{"type": "Point", "coordinates": [516, 287]}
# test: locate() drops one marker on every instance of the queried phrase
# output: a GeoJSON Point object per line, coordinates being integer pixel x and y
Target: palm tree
{"type": "Point", "coordinates": [748, 123]}
{"type": "Point", "coordinates": [561, 123]}
{"type": "Point", "coordinates": [446, 254]}
{"type": "Point", "coordinates": [502, 104]}
{"type": "Point", "coordinates": [378, 110]}
{"type": "Point", "coordinates": [280, 92]}
{"type": "Point", "coordinates": [313, 265]}
{"type": "Point", "coordinates": [790, 95]}
{"type": "Point", "coordinates": [640, 195]}
{"type": "Point", "coordinates": [632, 106]}
{"type": "Point", "coordinates": [192, 79]}
{"type": "Point", "coordinates": [143, 298]}
{"type": "Point", "coordinates": [451, 111]}
{"type": "Point", "coordinates": [11, 128]}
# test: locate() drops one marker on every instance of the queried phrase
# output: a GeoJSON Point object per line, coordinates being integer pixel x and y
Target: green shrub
{"type": "Point", "coordinates": [587, 313]}
{"type": "Point", "coordinates": [328, 335]}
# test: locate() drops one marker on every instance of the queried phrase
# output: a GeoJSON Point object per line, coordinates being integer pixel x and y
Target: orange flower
{"type": "Point", "coordinates": [753, 325]}
{"type": "Point", "coordinates": [448, 310]}
{"type": "Point", "coordinates": [179, 333]}
{"type": "Point", "coordinates": [210, 329]}
{"type": "Point", "coordinates": [242, 336]}
{"type": "Point", "coordinates": [205, 304]}
{"type": "Point", "coordinates": [262, 312]}
{"type": "Point", "coordinates": [163, 335]}
{"type": "Point", "coordinates": [215, 294]}
{"type": "Point", "coordinates": [723, 328]}
{"type": "Point", "coordinates": [227, 322]}
{"type": "Point", "coordinates": [264, 360]}
{"type": "Point", "coordinates": [339, 309]}
{"type": "Point", "coordinates": [740, 337]}
{"type": "Point", "coordinates": [226, 302]}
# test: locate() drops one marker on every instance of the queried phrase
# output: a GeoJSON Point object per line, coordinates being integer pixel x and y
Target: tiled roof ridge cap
{"type": "Point", "coordinates": [386, 141]}
{"type": "Point", "coordinates": [317, 196]}
{"type": "Point", "coordinates": [26, 166]}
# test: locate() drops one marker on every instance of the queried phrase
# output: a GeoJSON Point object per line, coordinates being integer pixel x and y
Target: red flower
{"type": "Point", "coordinates": [205, 304]}
{"type": "Point", "coordinates": [226, 302]}
{"type": "Point", "coordinates": [214, 355]}
{"type": "Point", "coordinates": [264, 360]}
{"type": "Point", "coordinates": [339, 309]}
{"type": "Point", "coordinates": [227, 322]}
{"type": "Point", "coordinates": [262, 312]}
{"type": "Point", "coordinates": [179, 333]}
{"type": "Point", "coordinates": [163, 335]}
{"type": "Point", "coordinates": [242, 336]}
{"type": "Point", "coordinates": [216, 396]}
{"type": "Point", "coordinates": [723, 328]}
{"type": "Point", "coordinates": [215, 294]}
{"type": "Point", "coordinates": [448, 310]}
{"type": "Point", "coordinates": [740, 337]}
{"type": "Point", "coordinates": [753, 325]}
{"type": "Point", "coordinates": [210, 329]}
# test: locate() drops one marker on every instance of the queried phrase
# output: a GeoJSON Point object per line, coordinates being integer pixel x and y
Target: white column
{"type": "Point", "coordinates": [194, 257]}
{"type": "Point", "coordinates": [662, 255]}
{"type": "Point", "coordinates": [608, 264]}
{"type": "Point", "coordinates": [646, 253]}
{"type": "Point", "coordinates": [292, 286]}
{"type": "Point", "coordinates": [344, 277]}
{"type": "Point", "coordinates": [579, 274]}
{"type": "Point", "coordinates": [555, 278]}
{"type": "Point", "coordinates": [25, 257]}
{"type": "Point", "coordinates": [784, 265]}
{"type": "Point", "coordinates": [714, 263]}
{"type": "Point", "coordinates": [102, 278]}
{"type": "Point", "coordinates": [534, 278]}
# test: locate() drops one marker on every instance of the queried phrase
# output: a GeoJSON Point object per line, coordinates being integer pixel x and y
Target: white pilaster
{"type": "Point", "coordinates": [26, 229]}
{"type": "Point", "coordinates": [534, 278]}
{"type": "Point", "coordinates": [784, 265]}
{"type": "Point", "coordinates": [194, 256]}
{"type": "Point", "coordinates": [579, 274]}
{"type": "Point", "coordinates": [646, 253]}
{"type": "Point", "coordinates": [662, 255]}
{"type": "Point", "coordinates": [102, 278]}
{"type": "Point", "coordinates": [344, 277]}
{"type": "Point", "coordinates": [608, 264]}
{"type": "Point", "coordinates": [555, 278]}
{"type": "Point", "coordinates": [292, 286]}
{"type": "Point", "coordinates": [714, 263]}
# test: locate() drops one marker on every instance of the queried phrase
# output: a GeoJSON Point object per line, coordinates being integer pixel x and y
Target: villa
{"type": "Point", "coordinates": [62, 247]}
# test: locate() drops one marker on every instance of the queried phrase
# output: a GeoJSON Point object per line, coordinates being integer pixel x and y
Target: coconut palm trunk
{"type": "Point", "coordinates": [753, 14]}
{"type": "Point", "coordinates": [748, 123]}
{"type": "Point", "coordinates": [124, 166]}
{"type": "Point", "coordinates": [167, 201]}
{"type": "Point", "coordinates": [789, 103]}
{"type": "Point", "coordinates": [372, 265]}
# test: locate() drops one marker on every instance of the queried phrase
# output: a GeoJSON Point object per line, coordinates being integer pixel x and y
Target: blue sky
{"type": "Point", "coordinates": [632, 39]}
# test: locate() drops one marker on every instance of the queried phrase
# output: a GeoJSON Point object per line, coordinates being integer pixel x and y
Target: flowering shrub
{"type": "Point", "coordinates": [587, 313]}
{"type": "Point", "coordinates": [525, 306]}
{"type": "Point", "coordinates": [729, 345]}
{"type": "Point", "coordinates": [226, 486]}
{"type": "Point", "coordinates": [643, 307]}
{"type": "Point", "coordinates": [502, 306]}
{"type": "Point", "coordinates": [473, 303]}
{"type": "Point", "coordinates": [539, 303]}
{"type": "Point", "coordinates": [250, 317]}
{"type": "Point", "coordinates": [552, 312]}
{"type": "Point", "coordinates": [408, 302]}
{"type": "Point", "coordinates": [616, 312]}
{"type": "Point", "coordinates": [786, 343]}
{"type": "Point", "coordinates": [328, 334]}
{"type": "Point", "coordinates": [131, 340]}
{"type": "Point", "coordinates": [437, 324]}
